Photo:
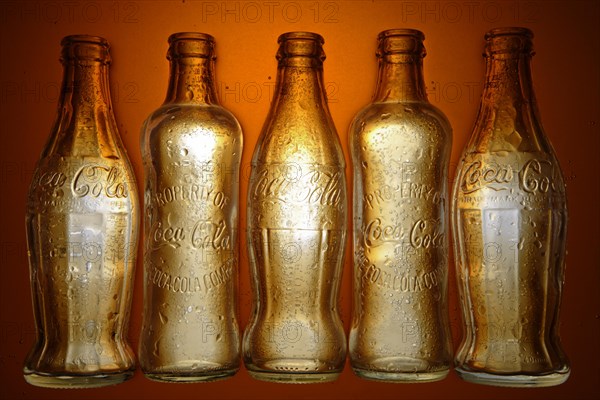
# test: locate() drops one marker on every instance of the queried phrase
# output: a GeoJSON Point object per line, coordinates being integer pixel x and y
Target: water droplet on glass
{"type": "Point", "coordinates": [163, 318]}
{"type": "Point", "coordinates": [189, 94]}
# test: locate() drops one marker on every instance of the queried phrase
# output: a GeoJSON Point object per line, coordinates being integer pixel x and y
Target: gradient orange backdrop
{"type": "Point", "coordinates": [566, 73]}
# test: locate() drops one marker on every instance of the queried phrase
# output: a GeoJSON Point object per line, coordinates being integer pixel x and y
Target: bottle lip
{"type": "Point", "coordinates": [397, 43]}
{"type": "Point", "coordinates": [509, 31]}
{"type": "Point", "coordinates": [82, 38]}
{"type": "Point", "coordinates": [183, 45]}
{"type": "Point", "coordinates": [301, 46]}
{"type": "Point", "coordinates": [300, 35]}
{"type": "Point", "coordinates": [190, 36]}
{"type": "Point", "coordinates": [508, 42]}
{"type": "Point", "coordinates": [87, 48]}
{"type": "Point", "coordinates": [401, 32]}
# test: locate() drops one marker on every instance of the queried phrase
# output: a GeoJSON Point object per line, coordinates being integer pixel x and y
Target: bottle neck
{"type": "Point", "coordinates": [85, 90]}
{"type": "Point", "coordinates": [301, 81]}
{"type": "Point", "coordinates": [192, 81]}
{"type": "Point", "coordinates": [400, 79]}
{"type": "Point", "coordinates": [508, 79]}
{"type": "Point", "coordinates": [85, 126]}
{"type": "Point", "coordinates": [508, 118]}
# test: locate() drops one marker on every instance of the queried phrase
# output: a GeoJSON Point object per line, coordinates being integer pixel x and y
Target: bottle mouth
{"type": "Point", "coordinates": [401, 32]}
{"type": "Point", "coordinates": [401, 41]}
{"type": "Point", "coordinates": [301, 44]}
{"type": "Point", "coordinates": [84, 39]}
{"type": "Point", "coordinates": [508, 41]}
{"type": "Point", "coordinates": [509, 31]}
{"type": "Point", "coordinates": [191, 44]}
{"type": "Point", "coordinates": [301, 35]}
{"type": "Point", "coordinates": [85, 48]}
{"type": "Point", "coordinates": [190, 36]}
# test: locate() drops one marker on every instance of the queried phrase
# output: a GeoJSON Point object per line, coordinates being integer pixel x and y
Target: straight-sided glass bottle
{"type": "Point", "coordinates": [82, 233]}
{"type": "Point", "coordinates": [400, 146]}
{"type": "Point", "coordinates": [191, 147]}
{"type": "Point", "coordinates": [509, 219]}
{"type": "Point", "coordinates": [297, 226]}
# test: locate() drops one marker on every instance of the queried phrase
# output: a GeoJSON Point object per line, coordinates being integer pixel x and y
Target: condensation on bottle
{"type": "Point", "coordinates": [192, 149]}
{"type": "Point", "coordinates": [509, 220]}
{"type": "Point", "coordinates": [82, 233]}
{"type": "Point", "coordinates": [400, 146]}
{"type": "Point", "coordinates": [297, 227]}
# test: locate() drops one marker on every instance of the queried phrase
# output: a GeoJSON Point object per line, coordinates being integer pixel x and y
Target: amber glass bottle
{"type": "Point", "coordinates": [82, 233]}
{"type": "Point", "coordinates": [297, 226]}
{"type": "Point", "coordinates": [509, 220]}
{"type": "Point", "coordinates": [400, 146]}
{"type": "Point", "coordinates": [191, 148]}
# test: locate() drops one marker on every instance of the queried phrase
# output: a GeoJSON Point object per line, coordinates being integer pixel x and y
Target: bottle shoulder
{"type": "Point", "coordinates": [314, 145]}
{"type": "Point", "coordinates": [171, 121]}
{"type": "Point", "coordinates": [401, 111]}
{"type": "Point", "coordinates": [391, 119]}
{"type": "Point", "coordinates": [210, 116]}
{"type": "Point", "coordinates": [308, 137]}
{"type": "Point", "coordinates": [77, 137]}
{"type": "Point", "coordinates": [508, 127]}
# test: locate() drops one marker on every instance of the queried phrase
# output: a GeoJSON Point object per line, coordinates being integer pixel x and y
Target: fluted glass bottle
{"type": "Point", "coordinates": [191, 148]}
{"type": "Point", "coordinates": [82, 233]}
{"type": "Point", "coordinates": [297, 226]}
{"type": "Point", "coordinates": [509, 221]}
{"type": "Point", "coordinates": [400, 146]}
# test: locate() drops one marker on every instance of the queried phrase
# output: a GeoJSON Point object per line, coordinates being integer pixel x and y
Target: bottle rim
{"type": "Point", "coordinates": [300, 45]}
{"type": "Point", "coordinates": [300, 35]}
{"type": "Point", "coordinates": [509, 31]}
{"type": "Point", "coordinates": [401, 32]}
{"type": "Point", "coordinates": [84, 38]}
{"type": "Point", "coordinates": [190, 36]}
{"type": "Point", "coordinates": [86, 48]}
{"type": "Point", "coordinates": [400, 43]}
{"type": "Point", "coordinates": [184, 45]}
{"type": "Point", "coordinates": [509, 42]}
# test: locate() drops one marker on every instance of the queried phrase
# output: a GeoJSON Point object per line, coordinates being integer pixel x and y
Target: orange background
{"type": "Point", "coordinates": [566, 79]}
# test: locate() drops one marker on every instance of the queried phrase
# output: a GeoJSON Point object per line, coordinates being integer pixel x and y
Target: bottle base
{"type": "Point", "coordinates": [196, 377]}
{"type": "Point", "coordinates": [401, 377]}
{"type": "Point", "coordinates": [294, 378]}
{"type": "Point", "coordinates": [521, 381]}
{"type": "Point", "coordinates": [76, 381]}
